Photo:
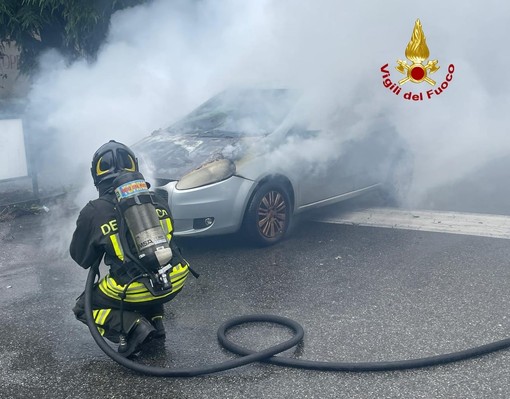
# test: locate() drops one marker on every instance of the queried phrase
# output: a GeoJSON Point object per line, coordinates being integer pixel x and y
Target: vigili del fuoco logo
{"type": "Point", "coordinates": [418, 71]}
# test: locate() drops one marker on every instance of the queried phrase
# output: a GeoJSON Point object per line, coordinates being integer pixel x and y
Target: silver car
{"type": "Point", "coordinates": [239, 163]}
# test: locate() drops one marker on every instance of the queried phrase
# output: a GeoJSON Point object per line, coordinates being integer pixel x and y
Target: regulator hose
{"type": "Point", "coordinates": [267, 355]}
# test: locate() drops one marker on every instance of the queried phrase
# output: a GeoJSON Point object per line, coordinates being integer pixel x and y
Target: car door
{"type": "Point", "coordinates": [373, 157]}
{"type": "Point", "coordinates": [318, 177]}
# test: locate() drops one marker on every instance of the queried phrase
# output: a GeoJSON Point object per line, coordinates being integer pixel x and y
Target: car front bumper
{"type": "Point", "coordinates": [223, 203]}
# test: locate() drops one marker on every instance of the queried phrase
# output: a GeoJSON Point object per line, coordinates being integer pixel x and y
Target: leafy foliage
{"type": "Point", "coordinates": [75, 27]}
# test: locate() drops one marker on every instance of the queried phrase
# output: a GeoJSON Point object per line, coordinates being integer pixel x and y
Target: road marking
{"type": "Point", "coordinates": [475, 224]}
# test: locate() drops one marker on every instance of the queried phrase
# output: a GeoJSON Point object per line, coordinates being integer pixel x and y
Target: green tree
{"type": "Point", "coordinates": [75, 27]}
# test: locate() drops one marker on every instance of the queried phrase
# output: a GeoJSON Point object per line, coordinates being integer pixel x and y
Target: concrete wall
{"type": "Point", "coordinates": [13, 161]}
{"type": "Point", "coordinates": [13, 91]}
{"type": "Point", "coordinates": [12, 83]}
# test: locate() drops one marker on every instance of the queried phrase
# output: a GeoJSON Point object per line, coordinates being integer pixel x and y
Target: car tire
{"type": "Point", "coordinates": [268, 214]}
{"type": "Point", "coordinates": [398, 182]}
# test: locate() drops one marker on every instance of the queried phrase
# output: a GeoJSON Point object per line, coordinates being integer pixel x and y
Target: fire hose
{"type": "Point", "coordinates": [268, 355]}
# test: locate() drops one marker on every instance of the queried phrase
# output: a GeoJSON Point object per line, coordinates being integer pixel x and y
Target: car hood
{"type": "Point", "coordinates": [170, 155]}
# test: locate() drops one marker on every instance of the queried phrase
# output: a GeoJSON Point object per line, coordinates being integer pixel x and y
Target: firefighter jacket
{"type": "Point", "coordinates": [97, 234]}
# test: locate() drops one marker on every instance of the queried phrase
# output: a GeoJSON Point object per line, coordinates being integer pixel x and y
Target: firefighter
{"type": "Point", "coordinates": [139, 318]}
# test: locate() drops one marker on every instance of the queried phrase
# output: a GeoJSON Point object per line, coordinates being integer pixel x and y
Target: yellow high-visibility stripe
{"type": "Point", "coordinates": [148, 296]}
{"type": "Point", "coordinates": [102, 319]}
{"type": "Point", "coordinates": [165, 230]}
{"type": "Point", "coordinates": [177, 286]}
{"type": "Point", "coordinates": [179, 276]}
{"type": "Point", "coordinates": [175, 276]}
{"type": "Point", "coordinates": [167, 227]}
{"type": "Point", "coordinates": [116, 246]}
{"type": "Point", "coordinates": [137, 292]}
{"type": "Point", "coordinates": [100, 316]}
{"type": "Point", "coordinates": [106, 288]}
{"type": "Point", "coordinates": [133, 288]}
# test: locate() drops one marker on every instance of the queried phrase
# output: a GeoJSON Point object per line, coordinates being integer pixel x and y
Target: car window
{"type": "Point", "coordinates": [239, 113]}
{"type": "Point", "coordinates": [302, 133]}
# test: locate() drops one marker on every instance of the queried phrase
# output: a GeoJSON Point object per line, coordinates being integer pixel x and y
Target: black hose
{"type": "Point", "coordinates": [368, 366]}
{"type": "Point", "coordinates": [191, 372]}
{"type": "Point", "coordinates": [267, 355]}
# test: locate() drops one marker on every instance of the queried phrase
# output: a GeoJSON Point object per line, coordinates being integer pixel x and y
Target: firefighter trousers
{"type": "Point", "coordinates": [107, 314]}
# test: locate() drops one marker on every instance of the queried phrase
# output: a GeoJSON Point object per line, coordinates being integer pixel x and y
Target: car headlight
{"type": "Point", "coordinates": [212, 172]}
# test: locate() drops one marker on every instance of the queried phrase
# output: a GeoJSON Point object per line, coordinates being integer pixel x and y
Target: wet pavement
{"type": "Point", "coordinates": [361, 293]}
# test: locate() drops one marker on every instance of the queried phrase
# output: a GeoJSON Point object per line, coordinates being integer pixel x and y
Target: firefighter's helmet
{"type": "Point", "coordinates": [110, 160]}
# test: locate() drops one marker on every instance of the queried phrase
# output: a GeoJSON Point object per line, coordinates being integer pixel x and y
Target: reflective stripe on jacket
{"type": "Point", "coordinates": [137, 292]}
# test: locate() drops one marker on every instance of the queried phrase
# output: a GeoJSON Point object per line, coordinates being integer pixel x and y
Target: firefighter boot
{"type": "Point", "coordinates": [140, 333]}
{"type": "Point", "coordinates": [157, 322]}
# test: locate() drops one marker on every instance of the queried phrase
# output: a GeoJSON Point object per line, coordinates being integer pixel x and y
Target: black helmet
{"type": "Point", "coordinates": [110, 159]}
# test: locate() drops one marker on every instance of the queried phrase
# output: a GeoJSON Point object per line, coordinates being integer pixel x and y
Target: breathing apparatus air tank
{"type": "Point", "coordinates": [136, 206]}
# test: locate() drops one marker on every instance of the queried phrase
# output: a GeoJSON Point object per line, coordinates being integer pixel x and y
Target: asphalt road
{"type": "Point", "coordinates": [361, 293]}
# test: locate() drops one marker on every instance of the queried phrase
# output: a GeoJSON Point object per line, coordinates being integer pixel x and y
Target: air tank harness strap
{"type": "Point", "coordinates": [136, 200]}
{"type": "Point", "coordinates": [177, 253]}
{"type": "Point", "coordinates": [194, 273]}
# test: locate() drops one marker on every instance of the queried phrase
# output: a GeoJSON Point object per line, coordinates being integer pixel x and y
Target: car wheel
{"type": "Point", "coordinates": [398, 181]}
{"type": "Point", "coordinates": [268, 214]}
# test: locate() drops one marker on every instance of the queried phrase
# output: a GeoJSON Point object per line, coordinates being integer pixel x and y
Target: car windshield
{"type": "Point", "coordinates": [239, 113]}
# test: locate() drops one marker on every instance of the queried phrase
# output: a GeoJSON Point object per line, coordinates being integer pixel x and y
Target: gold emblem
{"type": "Point", "coordinates": [417, 52]}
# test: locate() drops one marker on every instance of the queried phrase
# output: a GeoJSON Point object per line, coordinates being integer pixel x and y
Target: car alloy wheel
{"type": "Point", "coordinates": [272, 214]}
{"type": "Point", "coordinates": [268, 215]}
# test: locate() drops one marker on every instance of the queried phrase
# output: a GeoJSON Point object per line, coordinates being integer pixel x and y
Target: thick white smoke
{"type": "Point", "coordinates": [164, 58]}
